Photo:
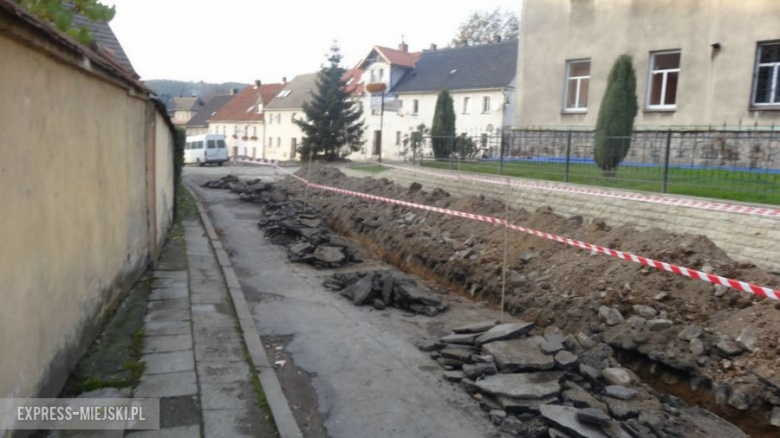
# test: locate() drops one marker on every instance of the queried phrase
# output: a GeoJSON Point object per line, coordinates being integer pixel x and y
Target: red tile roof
{"type": "Point", "coordinates": [398, 57]}
{"type": "Point", "coordinates": [243, 107]}
{"type": "Point", "coordinates": [356, 87]}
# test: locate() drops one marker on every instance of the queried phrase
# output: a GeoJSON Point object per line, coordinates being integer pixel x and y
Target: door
{"type": "Point", "coordinates": [293, 147]}
{"type": "Point", "coordinates": [377, 142]}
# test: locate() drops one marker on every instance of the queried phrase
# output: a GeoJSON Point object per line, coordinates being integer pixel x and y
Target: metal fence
{"type": "Point", "coordinates": [735, 164]}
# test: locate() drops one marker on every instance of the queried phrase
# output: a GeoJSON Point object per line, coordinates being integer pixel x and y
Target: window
{"type": "Point", "coordinates": [292, 118]}
{"type": "Point", "coordinates": [254, 131]}
{"type": "Point", "coordinates": [486, 104]}
{"type": "Point", "coordinates": [664, 74]}
{"type": "Point", "coordinates": [381, 74]}
{"type": "Point", "coordinates": [220, 144]}
{"type": "Point", "coordinates": [186, 146]}
{"type": "Point", "coordinates": [415, 106]}
{"type": "Point", "coordinates": [284, 93]}
{"type": "Point", "coordinates": [398, 138]}
{"type": "Point", "coordinates": [279, 118]}
{"type": "Point", "coordinates": [373, 76]}
{"type": "Point", "coordinates": [278, 142]}
{"type": "Point", "coordinates": [466, 105]}
{"type": "Point", "coordinates": [577, 83]}
{"type": "Point", "coordinates": [270, 141]}
{"type": "Point", "coordinates": [294, 143]}
{"type": "Point", "coordinates": [212, 144]}
{"type": "Point", "coordinates": [270, 119]}
{"type": "Point", "coordinates": [766, 84]}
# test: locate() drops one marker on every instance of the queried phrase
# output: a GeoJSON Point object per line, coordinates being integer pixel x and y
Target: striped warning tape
{"type": "Point", "coordinates": [751, 288]}
{"type": "Point", "coordinates": [654, 199]}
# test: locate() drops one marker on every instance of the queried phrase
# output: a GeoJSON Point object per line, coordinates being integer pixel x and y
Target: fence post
{"type": "Point", "coordinates": [568, 157]}
{"type": "Point", "coordinates": [452, 151]}
{"type": "Point", "coordinates": [501, 153]}
{"type": "Point", "coordinates": [666, 161]}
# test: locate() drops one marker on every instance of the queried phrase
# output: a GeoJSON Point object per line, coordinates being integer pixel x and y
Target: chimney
{"type": "Point", "coordinates": [284, 79]}
{"type": "Point", "coordinates": [233, 91]}
{"type": "Point", "coordinates": [257, 83]}
{"type": "Point", "coordinates": [434, 47]}
{"type": "Point", "coordinates": [403, 47]}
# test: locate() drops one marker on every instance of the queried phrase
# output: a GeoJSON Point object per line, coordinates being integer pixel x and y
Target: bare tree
{"type": "Point", "coordinates": [483, 27]}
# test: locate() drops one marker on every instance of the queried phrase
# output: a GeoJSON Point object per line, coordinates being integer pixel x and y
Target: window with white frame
{"type": "Point", "coordinates": [278, 117]}
{"type": "Point", "coordinates": [466, 105]}
{"type": "Point", "coordinates": [381, 74]}
{"type": "Point", "coordinates": [415, 106]}
{"type": "Point", "coordinates": [766, 84]}
{"type": "Point", "coordinates": [278, 142]}
{"type": "Point", "coordinates": [398, 138]}
{"type": "Point", "coordinates": [373, 76]}
{"type": "Point", "coordinates": [270, 119]}
{"type": "Point", "coordinates": [662, 84]}
{"type": "Point", "coordinates": [485, 104]}
{"type": "Point", "coordinates": [577, 85]}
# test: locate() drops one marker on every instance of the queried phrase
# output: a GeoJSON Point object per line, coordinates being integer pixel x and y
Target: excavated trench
{"type": "Point", "coordinates": [551, 284]}
{"type": "Point", "coordinates": [659, 376]}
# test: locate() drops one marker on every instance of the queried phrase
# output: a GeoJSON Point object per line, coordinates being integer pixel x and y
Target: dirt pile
{"type": "Point", "coordinates": [553, 284]}
{"type": "Point", "coordinates": [551, 384]}
{"type": "Point", "coordinates": [385, 289]}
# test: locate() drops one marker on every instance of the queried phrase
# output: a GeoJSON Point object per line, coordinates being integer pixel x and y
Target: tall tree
{"type": "Point", "coordinates": [61, 12]}
{"type": "Point", "coordinates": [443, 126]}
{"type": "Point", "coordinates": [618, 110]}
{"type": "Point", "coordinates": [333, 125]}
{"type": "Point", "coordinates": [484, 26]}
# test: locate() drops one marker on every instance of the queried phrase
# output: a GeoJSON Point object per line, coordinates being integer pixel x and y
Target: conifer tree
{"type": "Point", "coordinates": [333, 127]}
{"type": "Point", "coordinates": [443, 126]}
{"type": "Point", "coordinates": [616, 116]}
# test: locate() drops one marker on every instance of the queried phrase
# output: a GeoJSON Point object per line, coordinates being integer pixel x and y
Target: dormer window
{"type": "Point", "coordinates": [284, 93]}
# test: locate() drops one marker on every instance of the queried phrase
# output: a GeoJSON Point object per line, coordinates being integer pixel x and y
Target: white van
{"type": "Point", "coordinates": [205, 149]}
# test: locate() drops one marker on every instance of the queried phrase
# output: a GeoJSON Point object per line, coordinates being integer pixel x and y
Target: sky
{"type": "Point", "coordinates": [244, 40]}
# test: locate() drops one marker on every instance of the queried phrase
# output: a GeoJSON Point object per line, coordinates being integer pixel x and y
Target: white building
{"type": "Point", "coordinates": [282, 135]}
{"type": "Point", "coordinates": [184, 108]}
{"type": "Point", "coordinates": [242, 120]}
{"type": "Point", "coordinates": [481, 80]}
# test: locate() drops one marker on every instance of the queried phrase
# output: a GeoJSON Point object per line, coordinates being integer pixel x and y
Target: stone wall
{"type": "Point", "coordinates": [744, 238]}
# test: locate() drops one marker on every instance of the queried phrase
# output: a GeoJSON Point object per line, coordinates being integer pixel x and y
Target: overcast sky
{"type": "Point", "coordinates": [244, 40]}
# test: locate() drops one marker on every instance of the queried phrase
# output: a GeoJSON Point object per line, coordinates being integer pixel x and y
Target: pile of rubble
{"type": "Point", "coordinates": [287, 222]}
{"type": "Point", "coordinates": [250, 191]}
{"type": "Point", "coordinates": [386, 289]}
{"type": "Point", "coordinates": [724, 342]}
{"type": "Point", "coordinates": [556, 385]}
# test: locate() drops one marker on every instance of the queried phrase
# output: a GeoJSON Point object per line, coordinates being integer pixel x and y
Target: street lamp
{"type": "Point", "coordinates": [379, 87]}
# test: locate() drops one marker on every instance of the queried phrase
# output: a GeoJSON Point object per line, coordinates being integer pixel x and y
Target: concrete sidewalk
{"type": "Point", "coordinates": [194, 353]}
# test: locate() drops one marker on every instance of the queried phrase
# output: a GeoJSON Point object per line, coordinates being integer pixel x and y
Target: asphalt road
{"type": "Point", "coordinates": [355, 368]}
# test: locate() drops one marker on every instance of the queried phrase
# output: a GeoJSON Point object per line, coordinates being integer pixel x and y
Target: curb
{"type": "Point", "coordinates": [277, 401]}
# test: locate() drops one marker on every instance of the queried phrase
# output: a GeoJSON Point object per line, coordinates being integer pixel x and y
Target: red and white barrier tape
{"type": "Point", "coordinates": [754, 289]}
{"type": "Point", "coordinates": [654, 199]}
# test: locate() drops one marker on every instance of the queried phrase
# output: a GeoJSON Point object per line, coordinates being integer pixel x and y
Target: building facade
{"type": "Point", "coordinates": [698, 63]}
{"type": "Point", "coordinates": [479, 78]}
{"type": "Point", "coordinates": [242, 120]}
{"type": "Point", "coordinates": [282, 135]}
{"type": "Point", "coordinates": [184, 108]}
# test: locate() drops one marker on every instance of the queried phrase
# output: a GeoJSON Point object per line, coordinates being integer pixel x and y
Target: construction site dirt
{"type": "Point", "coordinates": [713, 347]}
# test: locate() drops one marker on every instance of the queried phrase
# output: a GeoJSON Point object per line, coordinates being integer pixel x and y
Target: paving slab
{"type": "Point", "coordinates": [167, 385]}
{"type": "Point", "coordinates": [173, 362]}
{"type": "Point", "coordinates": [163, 344]}
{"type": "Point", "coordinates": [234, 395]}
{"type": "Point", "coordinates": [167, 315]}
{"type": "Point", "coordinates": [227, 349]}
{"type": "Point", "coordinates": [226, 424]}
{"type": "Point", "coordinates": [171, 432]}
{"type": "Point", "coordinates": [168, 293]}
{"type": "Point", "coordinates": [208, 298]}
{"type": "Point", "coordinates": [166, 328]}
{"type": "Point", "coordinates": [159, 283]}
{"type": "Point", "coordinates": [170, 304]}
{"type": "Point", "coordinates": [221, 371]}
{"type": "Point", "coordinates": [170, 274]}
